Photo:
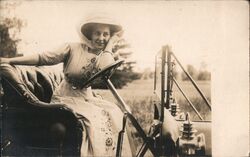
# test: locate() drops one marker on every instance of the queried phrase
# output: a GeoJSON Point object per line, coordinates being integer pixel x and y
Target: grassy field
{"type": "Point", "coordinates": [139, 95]}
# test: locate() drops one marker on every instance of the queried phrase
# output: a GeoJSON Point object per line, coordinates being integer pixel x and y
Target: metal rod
{"type": "Point", "coordinates": [163, 60]}
{"type": "Point", "coordinates": [120, 137]}
{"type": "Point", "coordinates": [190, 103]}
{"type": "Point", "coordinates": [193, 82]}
{"type": "Point", "coordinates": [144, 146]}
{"type": "Point", "coordinates": [169, 76]}
{"type": "Point", "coordinates": [172, 75]}
{"type": "Point", "coordinates": [142, 150]}
{"type": "Point", "coordinates": [155, 77]}
{"type": "Point", "coordinates": [119, 144]}
{"type": "Point", "coordinates": [121, 104]}
{"type": "Point", "coordinates": [142, 133]}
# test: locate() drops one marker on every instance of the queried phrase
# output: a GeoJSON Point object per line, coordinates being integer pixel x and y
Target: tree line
{"type": "Point", "coordinates": [199, 75]}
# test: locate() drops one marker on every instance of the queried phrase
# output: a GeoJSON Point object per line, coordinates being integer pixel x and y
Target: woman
{"type": "Point", "coordinates": [102, 120]}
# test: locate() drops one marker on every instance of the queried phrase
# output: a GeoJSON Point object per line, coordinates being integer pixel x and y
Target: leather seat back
{"type": "Point", "coordinates": [32, 125]}
{"type": "Point", "coordinates": [32, 82]}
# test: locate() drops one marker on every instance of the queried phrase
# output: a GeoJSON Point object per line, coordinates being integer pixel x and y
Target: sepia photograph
{"type": "Point", "coordinates": [124, 78]}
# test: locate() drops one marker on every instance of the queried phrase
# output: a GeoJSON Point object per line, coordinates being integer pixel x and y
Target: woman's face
{"type": "Point", "coordinates": [100, 36]}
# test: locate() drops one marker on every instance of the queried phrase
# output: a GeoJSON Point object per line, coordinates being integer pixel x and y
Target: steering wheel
{"type": "Point", "coordinates": [105, 73]}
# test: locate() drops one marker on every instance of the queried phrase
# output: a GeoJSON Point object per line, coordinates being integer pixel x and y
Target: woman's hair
{"type": "Point", "coordinates": [88, 33]}
{"type": "Point", "coordinates": [90, 27]}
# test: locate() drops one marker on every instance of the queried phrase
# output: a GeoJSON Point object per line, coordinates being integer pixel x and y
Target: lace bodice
{"type": "Point", "coordinates": [79, 64]}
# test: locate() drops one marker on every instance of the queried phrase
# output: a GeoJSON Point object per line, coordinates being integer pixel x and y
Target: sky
{"type": "Point", "coordinates": [191, 28]}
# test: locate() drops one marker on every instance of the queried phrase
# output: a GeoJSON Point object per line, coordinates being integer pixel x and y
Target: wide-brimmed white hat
{"type": "Point", "coordinates": [86, 26]}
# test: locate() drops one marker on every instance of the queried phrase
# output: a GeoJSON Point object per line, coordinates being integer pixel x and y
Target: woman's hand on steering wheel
{"type": "Point", "coordinates": [116, 37]}
{"type": "Point", "coordinates": [104, 60]}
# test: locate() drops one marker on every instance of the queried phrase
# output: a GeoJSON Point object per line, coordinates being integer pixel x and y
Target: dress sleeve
{"type": "Point", "coordinates": [54, 57]}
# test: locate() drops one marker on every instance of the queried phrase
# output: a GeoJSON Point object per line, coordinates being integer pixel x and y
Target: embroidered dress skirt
{"type": "Point", "coordinates": [102, 120]}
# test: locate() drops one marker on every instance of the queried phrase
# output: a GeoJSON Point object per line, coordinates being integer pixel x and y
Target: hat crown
{"type": "Point", "coordinates": [101, 20]}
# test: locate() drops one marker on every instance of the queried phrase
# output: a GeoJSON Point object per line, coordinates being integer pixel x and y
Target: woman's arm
{"type": "Point", "coordinates": [107, 56]}
{"type": "Point", "coordinates": [24, 60]}
{"type": "Point", "coordinates": [115, 38]}
{"type": "Point", "coordinates": [47, 58]}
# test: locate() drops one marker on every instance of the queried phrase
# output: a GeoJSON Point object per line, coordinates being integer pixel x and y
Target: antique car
{"type": "Point", "coordinates": [32, 126]}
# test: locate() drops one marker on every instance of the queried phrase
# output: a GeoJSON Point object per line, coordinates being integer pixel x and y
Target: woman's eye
{"type": "Point", "coordinates": [97, 33]}
{"type": "Point", "coordinates": [106, 34]}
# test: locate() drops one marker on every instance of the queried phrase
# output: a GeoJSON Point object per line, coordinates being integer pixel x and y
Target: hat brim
{"type": "Point", "coordinates": [87, 28]}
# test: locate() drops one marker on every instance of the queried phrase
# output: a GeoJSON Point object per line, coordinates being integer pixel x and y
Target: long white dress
{"type": "Point", "coordinates": [102, 120]}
